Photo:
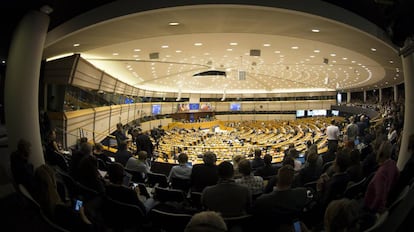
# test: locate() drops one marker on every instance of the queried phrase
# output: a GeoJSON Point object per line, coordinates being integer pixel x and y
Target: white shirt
{"type": "Point", "coordinates": [332, 132]}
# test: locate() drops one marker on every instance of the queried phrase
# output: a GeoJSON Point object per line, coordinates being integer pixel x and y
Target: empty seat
{"type": "Point", "coordinates": [182, 184]}
{"type": "Point", "coordinates": [168, 195]}
{"type": "Point", "coordinates": [158, 179]}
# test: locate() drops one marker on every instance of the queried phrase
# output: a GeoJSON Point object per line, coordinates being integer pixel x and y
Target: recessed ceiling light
{"type": "Point", "coordinates": [178, 51]}
{"type": "Point", "coordinates": [373, 49]}
{"type": "Point", "coordinates": [233, 43]}
{"type": "Point", "coordinates": [295, 47]}
{"type": "Point", "coordinates": [164, 46]}
{"type": "Point", "coordinates": [266, 45]}
{"type": "Point", "coordinates": [173, 23]}
{"type": "Point", "coordinates": [332, 54]}
{"type": "Point", "coordinates": [137, 50]}
{"type": "Point", "coordinates": [391, 62]}
{"type": "Point", "coordinates": [229, 49]}
{"type": "Point", "coordinates": [76, 45]}
{"type": "Point", "coordinates": [344, 58]}
{"type": "Point", "coordinates": [198, 44]}
{"type": "Point", "coordinates": [315, 30]}
{"type": "Point", "coordinates": [277, 52]}
{"type": "Point", "coordinates": [115, 54]}
{"type": "Point", "coordinates": [316, 51]}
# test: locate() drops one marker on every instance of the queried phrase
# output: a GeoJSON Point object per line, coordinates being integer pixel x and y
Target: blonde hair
{"type": "Point", "coordinates": [206, 221]}
{"type": "Point", "coordinates": [46, 190]}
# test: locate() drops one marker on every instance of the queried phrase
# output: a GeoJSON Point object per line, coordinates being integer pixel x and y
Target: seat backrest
{"type": "Point", "coordinates": [195, 200]}
{"type": "Point", "coordinates": [167, 221]}
{"type": "Point", "coordinates": [157, 178]}
{"type": "Point", "coordinates": [166, 194]}
{"type": "Point", "coordinates": [120, 216]}
{"type": "Point", "coordinates": [242, 222]}
{"type": "Point", "coordinates": [137, 177]}
{"type": "Point", "coordinates": [182, 184]}
{"type": "Point", "coordinates": [355, 190]}
{"type": "Point", "coordinates": [378, 223]}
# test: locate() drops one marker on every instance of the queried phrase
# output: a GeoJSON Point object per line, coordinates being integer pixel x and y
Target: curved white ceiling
{"type": "Point", "coordinates": [220, 37]}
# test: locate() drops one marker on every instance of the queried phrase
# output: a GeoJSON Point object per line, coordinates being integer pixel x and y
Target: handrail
{"type": "Point", "coordinates": [107, 135]}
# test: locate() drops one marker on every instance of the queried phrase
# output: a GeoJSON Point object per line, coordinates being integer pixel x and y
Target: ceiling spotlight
{"type": "Point", "coordinates": [173, 23]}
{"type": "Point", "coordinates": [315, 30]}
{"type": "Point", "coordinates": [373, 49]}
{"type": "Point", "coordinates": [233, 43]}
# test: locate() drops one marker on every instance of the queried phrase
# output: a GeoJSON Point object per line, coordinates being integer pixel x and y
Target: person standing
{"type": "Point", "coordinates": [332, 132]}
{"type": "Point", "coordinates": [144, 143]}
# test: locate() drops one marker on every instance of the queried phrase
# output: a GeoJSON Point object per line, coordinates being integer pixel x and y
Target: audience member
{"type": "Point", "coordinates": [59, 212]}
{"type": "Point", "coordinates": [384, 180]}
{"type": "Point", "coordinates": [120, 135]}
{"type": "Point", "coordinates": [89, 175]}
{"type": "Point", "coordinates": [98, 152]}
{"type": "Point", "coordinates": [182, 170]}
{"type": "Point", "coordinates": [254, 183]}
{"type": "Point", "coordinates": [206, 221]}
{"type": "Point", "coordinates": [144, 143]}
{"type": "Point", "coordinates": [117, 191]}
{"type": "Point", "coordinates": [139, 165]}
{"type": "Point", "coordinates": [311, 171]}
{"type": "Point", "coordinates": [355, 169]}
{"type": "Point", "coordinates": [352, 129]}
{"type": "Point", "coordinates": [268, 169]}
{"type": "Point", "coordinates": [236, 161]}
{"type": "Point", "coordinates": [332, 132]}
{"type": "Point", "coordinates": [204, 174]}
{"type": "Point", "coordinates": [342, 215]}
{"type": "Point", "coordinates": [122, 155]}
{"type": "Point", "coordinates": [257, 161]}
{"type": "Point", "coordinates": [227, 197]}
{"type": "Point", "coordinates": [22, 170]}
{"type": "Point", "coordinates": [84, 151]}
{"type": "Point", "coordinates": [284, 203]}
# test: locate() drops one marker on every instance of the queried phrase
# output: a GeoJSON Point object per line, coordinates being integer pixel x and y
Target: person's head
{"type": "Point", "coordinates": [333, 121]}
{"type": "Point", "coordinates": [285, 176]}
{"type": "Point", "coordinates": [384, 151]}
{"type": "Point", "coordinates": [182, 158]}
{"type": "Point", "coordinates": [312, 158]}
{"type": "Point", "coordinates": [257, 152]}
{"type": "Point", "coordinates": [46, 193]}
{"type": "Point", "coordinates": [209, 158]}
{"type": "Point", "coordinates": [85, 148]}
{"type": "Point", "coordinates": [142, 155]}
{"type": "Point", "coordinates": [52, 134]}
{"type": "Point", "coordinates": [293, 153]}
{"type": "Point", "coordinates": [83, 140]}
{"type": "Point", "coordinates": [24, 148]}
{"type": "Point", "coordinates": [237, 159]}
{"type": "Point", "coordinates": [342, 160]}
{"type": "Point", "coordinates": [116, 173]}
{"type": "Point", "coordinates": [226, 170]}
{"type": "Point", "coordinates": [119, 126]}
{"type": "Point", "coordinates": [342, 215]}
{"type": "Point", "coordinates": [244, 167]}
{"type": "Point", "coordinates": [267, 159]}
{"type": "Point", "coordinates": [287, 160]}
{"type": "Point", "coordinates": [98, 148]}
{"type": "Point", "coordinates": [206, 221]}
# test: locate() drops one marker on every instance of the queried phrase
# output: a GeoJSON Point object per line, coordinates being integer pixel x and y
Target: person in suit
{"type": "Point", "coordinates": [120, 134]}
{"type": "Point", "coordinates": [143, 143]}
{"type": "Point", "coordinates": [204, 174]}
{"type": "Point", "coordinates": [122, 155]}
{"type": "Point", "coordinates": [227, 197]}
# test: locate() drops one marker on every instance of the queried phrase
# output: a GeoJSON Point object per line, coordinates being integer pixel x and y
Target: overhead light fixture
{"type": "Point", "coordinates": [173, 23]}
{"type": "Point", "coordinates": [373, 49]}
{"type": "Point", "coordinates": [315, 30]}
{"type": "Point", "coordinates": [76, 45]}
{"type": "Point", "coordinates": [198, 44]}
{"type": "Point", "coordinates": [233, 44]}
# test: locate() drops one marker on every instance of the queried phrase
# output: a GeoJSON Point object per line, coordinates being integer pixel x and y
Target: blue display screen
{"type": "Point", "coordinates": [235, 106]}
{"type": "Point", "coordinates": [194, 106]}
{"type": "Point", "coordinates": [156, 109]}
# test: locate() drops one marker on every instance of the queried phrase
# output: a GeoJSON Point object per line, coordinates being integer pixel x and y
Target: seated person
{"type": "Point", "coordinates": [22, 170]}
{"type": "Point", "coordinates": [99, 153]}
{"type": "Point", "coordinates": [268, 169]}
{"type": "Point", "coordinates": [204, 174]}
{"type": "Point", "coordinates": [227, 197]}
{"type": "Point", "coordinates": [117, 191]}
{"type": "Point", "coordinates": [140, 164]}
{"type": "Point", "coordinates": [311, 171]}
{"type": "Point", "coordinates": [182, 170]}
{"type": "Point", "coordinates": [207, 221]}
{"type": "Point", "coordinates": [254, 183]}
{"type": "Point", "coordinates": [284, 203]}
{"type": "Point", "coordinates": [89, 175]}
{"type": "Point", "coordinates": [257, 161]}
{"type": "Point", "coordinates": [122, 155]}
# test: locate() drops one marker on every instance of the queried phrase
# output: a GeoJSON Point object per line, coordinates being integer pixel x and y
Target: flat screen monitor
{"type": "Point", "coordinates": [206, 106]}
{"type": "Point", "coordinates": [129, 100]}
{"type": "Point", "coordinates": [300, 113]}
{"type": "Point", "coordinates": [183, 107]}
{"type": "Point", "coordinates": [156, 109]}
{"type": "Point", "coordinates": [309, 113]}
{"type": "Point", "coordinates": [319, 113]}
{"type": "Point", "coordinates": [235, 106]}
{"type": "Point", "coordinates": [194, 106]}
{"type": "Point", "coordinates": [335, 112]}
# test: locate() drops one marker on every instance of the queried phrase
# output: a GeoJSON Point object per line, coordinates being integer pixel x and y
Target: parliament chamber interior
{"type": "Point", "coordinates": [235, 116]}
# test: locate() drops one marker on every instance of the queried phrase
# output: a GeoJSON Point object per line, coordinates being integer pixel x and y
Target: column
{"type": "Point", "coordinates": [365, 96]}
{"type": "Point", "coordinates": [395, 93]}
{"type": "Point", "coordinates": [348, 97]}
{"type": "Point", "coordinates": [407, 53]}
{"type": "Point", "coordinates": [22, 83]}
